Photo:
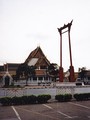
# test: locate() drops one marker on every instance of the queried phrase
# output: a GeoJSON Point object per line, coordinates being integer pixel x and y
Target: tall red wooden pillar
{"type": "Point", "coordinates": [61, 75]}
{"type": "Point", "coordinates": [71, 66]}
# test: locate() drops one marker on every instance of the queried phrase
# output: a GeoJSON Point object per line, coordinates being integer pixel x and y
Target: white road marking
{"type": "Point", "coordinates": [88, 116]}
{"type": "Point", "coordinates": [64, 114]}
{"type": "Point", "coordinates": [34, 112]}
{"type": "Point", "coordinates": [48, 106]}
{"type": "Point", "coordinates": [16, 112]}
{"type": "Point", "coordinates": [79, 105]}
{"type": "Point", "coordinates": [58, 111]}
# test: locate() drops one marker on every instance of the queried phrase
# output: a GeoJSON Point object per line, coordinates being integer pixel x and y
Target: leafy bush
{"type": "Point", "coordinates": [67, 97]}
{"type": "Point", "coordinates": [59, 97]}
{"type": "Point", "coordinates": [17, 100]}
{"type": "Point", "coordinates": [63, 97]}
{"type": "Point", "coordinates": [86, 96]}
{"type": "Point", "coordinates": [78, 97]}
{"type": "Point", "coordinates": [32, 99]}
{"type": "Point", "coordinates": [24, 100]}
{"type": "Point", "coordinates": [6, 101]}
{"type": "Point", "coordinates": [28, 99]}
{"type": "Point", "coordinates": [43, 98]}
{"type": "Point", "coordinates": [82, 96]}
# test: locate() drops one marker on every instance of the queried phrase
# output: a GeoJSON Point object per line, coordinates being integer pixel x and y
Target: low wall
{"type": "Point", "coordinates": [26, 91]}
{"type": "Point", "coordinates": [36, 91]}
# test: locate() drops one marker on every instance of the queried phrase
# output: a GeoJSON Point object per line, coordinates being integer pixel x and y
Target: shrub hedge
{"type": "Point", "coordinates": [17, 100]}
{"type": "Point", "coordinates": [43, 98]}
{"type": "Point", "coordinates": [82, 96]}
{"type": "Point", "coordinates": [31, 99]}
{"type": "Point", "coordinates": [63, 97]}
{"type": "Point", "coordinates": [6, 101]}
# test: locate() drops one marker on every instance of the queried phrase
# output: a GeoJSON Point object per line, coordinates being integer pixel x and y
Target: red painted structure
{"type": "Point", "coordinates": [61, 76]}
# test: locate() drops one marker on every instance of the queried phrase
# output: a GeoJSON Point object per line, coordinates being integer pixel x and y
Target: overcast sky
{"type": "Point", "coordinates": [26, 24]}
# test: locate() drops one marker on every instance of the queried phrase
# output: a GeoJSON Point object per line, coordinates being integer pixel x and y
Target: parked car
{"type": "Point", "coordinates": [44, 83]}
{"type": "Point", "coordinates": [85, 81]}
{"type": "Point", "coordinates": [79, 82]}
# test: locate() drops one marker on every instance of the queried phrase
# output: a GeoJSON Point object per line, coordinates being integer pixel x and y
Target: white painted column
{"type": "Point", "coordinates": [31, 79]}
{"type": "Point", "coordinates": [43, 79]}
{"type": "Point", "coordinates": [37, 80]}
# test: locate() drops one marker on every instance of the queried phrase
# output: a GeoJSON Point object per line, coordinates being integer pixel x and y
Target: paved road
{"type": "Point", "coordinates": [50, 111]}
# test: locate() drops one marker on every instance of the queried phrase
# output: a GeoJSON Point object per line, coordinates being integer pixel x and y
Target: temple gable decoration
{"type": "Point", "coordinates": [37, 58]}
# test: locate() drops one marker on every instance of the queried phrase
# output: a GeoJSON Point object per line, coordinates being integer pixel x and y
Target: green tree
{"type": "Point", "coordinates": [53, 70]}
{"type": "Point", "coordinates": [82, 73]}
{"type": "Point", "coordinates": [25, 71]}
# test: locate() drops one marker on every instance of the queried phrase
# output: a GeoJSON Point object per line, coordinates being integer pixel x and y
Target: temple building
{"type": "Point", "coordinates": [38, 59]}
{"type": "Point", "coordinates": [35, 58]}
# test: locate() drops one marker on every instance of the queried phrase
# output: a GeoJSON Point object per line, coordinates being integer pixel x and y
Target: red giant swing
{"type": "Point", "coordinates": [71, 69]}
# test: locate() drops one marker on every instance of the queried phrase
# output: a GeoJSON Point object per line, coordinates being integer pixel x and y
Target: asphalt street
{"type": "Point", "coordinates": [50, 111]}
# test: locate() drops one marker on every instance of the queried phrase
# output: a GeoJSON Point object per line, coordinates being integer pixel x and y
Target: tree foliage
{"type": "Point", "coordinates": [25, 71]}
{"type": "Point", "coordinates": [82, 73]}
{"type": "Point", "coordinates": [53, 70]}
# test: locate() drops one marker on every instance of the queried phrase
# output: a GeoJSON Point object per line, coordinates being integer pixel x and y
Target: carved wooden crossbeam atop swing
{"type": "Point", "coordinates": [65, 26]}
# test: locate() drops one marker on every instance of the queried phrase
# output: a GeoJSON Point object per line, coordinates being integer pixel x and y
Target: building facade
{"type": "Point", "coordinates": [36, 58]}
